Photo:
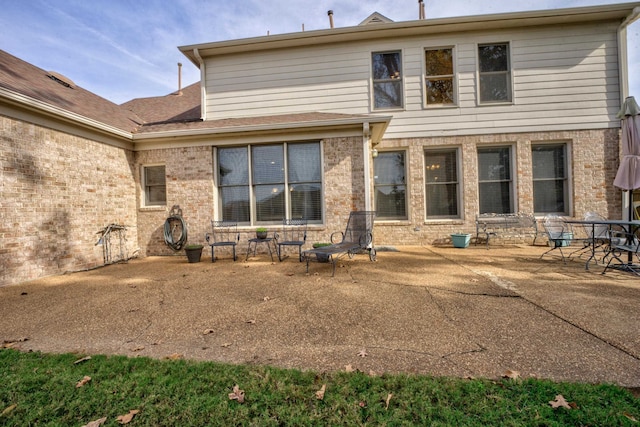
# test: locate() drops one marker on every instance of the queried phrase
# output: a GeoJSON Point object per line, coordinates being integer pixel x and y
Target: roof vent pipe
{"type": "Point", "coordinates": [421, 14]}
{"type": "Point", "coordinates": [330, 13]}
{"type": "Point", "coordinates": [179, 78]}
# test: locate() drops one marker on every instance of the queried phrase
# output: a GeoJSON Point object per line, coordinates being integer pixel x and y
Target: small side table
{"type": "Point", "coordinates": [255, 242]}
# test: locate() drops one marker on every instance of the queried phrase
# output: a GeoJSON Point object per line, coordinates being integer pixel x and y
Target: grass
{"type": "Point", "coordinates": [40, 389]}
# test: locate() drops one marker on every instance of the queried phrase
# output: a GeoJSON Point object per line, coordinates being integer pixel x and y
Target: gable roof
{"type": "Point", "coordinates": [376, 18]}
{"type": "Point", "coordinates": [49, 88]}
{"type": "Point", "coordinates": [170, 108]}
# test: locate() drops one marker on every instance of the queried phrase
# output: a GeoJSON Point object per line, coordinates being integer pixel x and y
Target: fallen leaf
{"type": "Point", "coordinates": [514, 375]}
{"type": "Point", "coordinates": [126, 419]}
{"type": "Point", "coordinates": [348, 368]}
{"type": "Point", "coordinates": [208, 331]}
{"type": "Point", "coordinates": [237, 394]}
{"type": "Point", "coordinates": [138, 348]}
{"type": "Point", "coordinates": [83, 381]}
{"type": "Point", "coordinates": [225, 345]}
{"type": "Point", "coordinates": [251, 321]}
{"type": "Point", "coordinates": [626, 414]}
{"type": "Point", "coordinates": [96, 423]}
{"type": "Point", "coordinates": [559, 402]}
{"type": "Point", "coordinates": [290, 274]}
{"type": "Point", "coordinates": [320, 393]}
{"type": "Point", "coordinates": [174, 356]}
{"type": "Point", "coordinates": [12, 343]}
{"type": "Point", "coordinates": [386, 402]}
{"type": "Point", "coordinates": [266, 298]}
{"type": "Point", "coordinates": [362, 404]}
{"type": "Point", "coordinates": [8, 409]}
{"type": "Point", "coordinates": [84, 359]}
{"type": "Point", "coordinates": [363, 353]}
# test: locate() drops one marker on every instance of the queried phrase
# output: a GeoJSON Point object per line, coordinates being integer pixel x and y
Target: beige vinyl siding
{"type": "Point", "coordinates": [563, 78]}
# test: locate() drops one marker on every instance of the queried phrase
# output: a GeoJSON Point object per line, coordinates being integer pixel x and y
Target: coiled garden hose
{"type": "Point", "coordinates": [176, 245]}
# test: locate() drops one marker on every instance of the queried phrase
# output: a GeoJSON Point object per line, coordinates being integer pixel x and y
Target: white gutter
{"type": "Point", "coordinates": [351, 121]}
{"type": "Point", "coordinates": [623, 63]}
{"type": "Point", "coordinates": [35, 105]}
{"type": "Point", "coordinates": [366, 152]}
{"type": "Point", "coordinates": [203, 86]}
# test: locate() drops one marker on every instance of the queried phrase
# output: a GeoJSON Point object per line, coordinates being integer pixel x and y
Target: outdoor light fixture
{"type": "Point", "coordinates": [374, 153]}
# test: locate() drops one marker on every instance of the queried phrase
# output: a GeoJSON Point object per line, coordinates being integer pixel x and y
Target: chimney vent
{"type": "Point", "coordinates": [421, 13]}
{"type": "Point", "coordinates": [179, 78]}
{"type": "Point", "coordinates": [330, 13]}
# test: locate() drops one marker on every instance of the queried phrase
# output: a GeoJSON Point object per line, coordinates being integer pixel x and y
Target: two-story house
{"type": "Point", "coordinates": [427, 122]}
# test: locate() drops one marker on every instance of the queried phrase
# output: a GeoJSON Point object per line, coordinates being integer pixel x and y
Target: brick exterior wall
{"type": "Point", "coordinates": [593, 155]}
{"type": "Point", "coordinates": [58, 191]}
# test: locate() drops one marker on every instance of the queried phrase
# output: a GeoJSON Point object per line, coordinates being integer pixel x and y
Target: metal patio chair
{"type": "Point", "coordinates": [357, 237]}
{"type": "Point", "coordinates": [294, 233]}
{"type": "Point", "coordinates": [223, 233]}
{"type": "Point", "coordinates": [559, 233]}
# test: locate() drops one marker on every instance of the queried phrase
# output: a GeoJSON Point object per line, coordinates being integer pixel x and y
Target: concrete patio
{"type": "Point", "coordinates": [433, 310]}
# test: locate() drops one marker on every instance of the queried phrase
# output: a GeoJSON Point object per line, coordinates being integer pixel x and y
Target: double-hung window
{"type": "Point", "coordinates": [439, 77]}
{"type": "Point", "coordinates": [155, 187]}
{"type": "Point", "coordinates": [494, 73]}
{"type": "Point", "coordinates": [263, 184]}
{"type": "Point", "coordinates": [495, 183]}
{"type": "Point", "coordinates": [442, 183]}
{"type": "Point", "coordinates": [550, 178]}
{"type": "Point", "coordinates": [390, 185]}
{"type": "Point", "coordinates": [387, 80]}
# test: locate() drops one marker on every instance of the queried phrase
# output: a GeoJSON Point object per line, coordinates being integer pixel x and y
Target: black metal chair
{"type": "Point", "coordinates": [223, 233]}
{"type": "Point", "coordinates": [294, 233]}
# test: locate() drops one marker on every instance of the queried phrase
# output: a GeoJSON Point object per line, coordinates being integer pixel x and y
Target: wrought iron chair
{"type": "Point", "coordinates": [294, 233]}
{"type": "Point", "coordinates": [223, 233]}
{"type": "Point", "coordinates": [559, 233]}
{"type": "Point", "coordinates": [624, 244]}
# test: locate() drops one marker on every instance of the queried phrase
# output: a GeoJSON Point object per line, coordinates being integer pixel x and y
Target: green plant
{"type": "Point", "coordinates": [261, 230]}
{"type": "Point", "coordinates": [320, 244]}
{"type": "Point", "coordinates": [193, 247]}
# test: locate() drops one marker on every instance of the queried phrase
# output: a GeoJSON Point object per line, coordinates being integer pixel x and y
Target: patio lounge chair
{"type": "Point", "coordinates": [223, 233]}
{"type": "Point", "coordinates": [358, 236]}
{"type": "Point", "coordinates": [294, 233]}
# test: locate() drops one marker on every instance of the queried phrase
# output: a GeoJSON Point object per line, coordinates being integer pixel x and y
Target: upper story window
{"type": "Point", "coordinates": [550, 178]}
{"type": "Point", "coordinates": [387, 80]}
{"type": "Point", "coordinates": [494, 73]}
{"type": "Point", "coordinates": [263, 184]}
{"type": "Point", "coordinates": [439, 77]}
{"type": "Point", "coordinates": [442, 183]}
{"type": "Point", "coordinates": [390, 185]}
{"type": "Point", "coordinates": [154, 184]}
{"type": "Point", "coordinates": [495, 182]}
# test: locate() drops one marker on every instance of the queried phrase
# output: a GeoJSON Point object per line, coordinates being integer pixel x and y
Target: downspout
{"type": "Point", "coordinates": [366, 145]}
{"type": "Point", "coordinates": [623, 63]}
{"type": "Point", "coordinates": [203, 87]}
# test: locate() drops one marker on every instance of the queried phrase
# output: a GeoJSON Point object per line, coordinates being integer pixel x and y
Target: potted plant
{"type": "Point", "coordinates": [460, 240]}
{"type": "Point", "coordinates": [321, 257]}
{"type": "Point", "coordinates": [194, 252]}
{"type": "Point", "coordinates": [261, 233]}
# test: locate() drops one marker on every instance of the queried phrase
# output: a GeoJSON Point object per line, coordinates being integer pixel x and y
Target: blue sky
{"type": "Point", "coordinates": [125, 49]}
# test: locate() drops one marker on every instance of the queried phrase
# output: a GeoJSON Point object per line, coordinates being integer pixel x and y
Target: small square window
{"type": "Point", "coordinates": [155, 188]}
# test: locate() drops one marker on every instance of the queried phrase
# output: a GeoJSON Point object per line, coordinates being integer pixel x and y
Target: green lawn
{"type": "Point", "coordinates": [41, 389]}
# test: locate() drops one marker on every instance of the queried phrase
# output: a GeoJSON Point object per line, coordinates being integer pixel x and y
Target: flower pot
{"type": "Point", "coordinates": [460, 240]}
{"type": "Point", "coordinates": [193, 253]}
{"type": "Point", "coordinates": [261, 234]}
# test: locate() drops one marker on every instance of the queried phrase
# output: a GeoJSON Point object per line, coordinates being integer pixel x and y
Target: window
{"type": "Point", "coordinates": [390, 185]}
{"type": "Point", "coordinates": [443, 187]}
{"type": "Point", "coordinates": [495, 185]}
{"type": "Point", "coordinates": [439, 77]}
{"type": "Point", "coordinates": [387, 80]}
{"type": "Point", "coordinates": [155, 188]}
{"type": "Point", "coordinates": [550, 181]}
{"type": "Point", "coordinates": [495, 74]}
{"type": "Point", "coordinates": [266, 183]}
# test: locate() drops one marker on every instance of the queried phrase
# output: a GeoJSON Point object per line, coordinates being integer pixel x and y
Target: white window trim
{"type": "Point", "coordinates": [569, 169]}
{"type": "Point", "coordinates": [459, 172]}
{"type": "Point", "coordinates": [514, 168]}
{"type": "Point", "coordinates": [456, 80]}
{"type": "Point", "coordinates": [143, 186]}
{"type": "Point", "coordinates": [479, 103]}
{"type": "Point", "coordinates": [372, 101]}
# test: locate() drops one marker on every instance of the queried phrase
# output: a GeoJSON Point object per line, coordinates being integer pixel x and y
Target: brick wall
{"type": "Point", "coordinates": [58, 191]}
{"type": "Point", "coordinates": [594, 160]}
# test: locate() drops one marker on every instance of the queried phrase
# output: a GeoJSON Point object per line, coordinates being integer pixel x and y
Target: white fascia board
{"type": "Point", "coordinates": [262, 128]}
{"type": "Point", "coordinates": [409, 28]}
{"type": "Point", "coordinates": [35, 105]}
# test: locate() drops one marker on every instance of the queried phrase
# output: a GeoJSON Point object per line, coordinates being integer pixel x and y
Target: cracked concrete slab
{"type": "Point", "coordinates": [432, 310]}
